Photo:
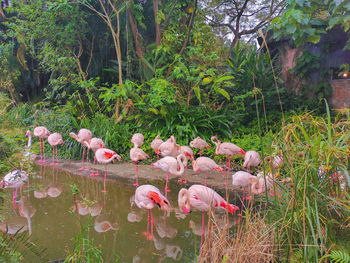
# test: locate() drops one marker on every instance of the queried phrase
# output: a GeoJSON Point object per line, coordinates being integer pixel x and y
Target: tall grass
{"type": "Point", "coordinates": [300, 222]}
{"type": "Point", "coordinates": [253, 241]}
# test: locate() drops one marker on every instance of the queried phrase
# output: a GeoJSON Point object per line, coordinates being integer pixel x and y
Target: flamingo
{"type": "Point", "coordinates": [200, 144]}
{"type": "Point", "coordinates": [170, 165]}
{"type": "Point", "coordinates": [27, 155]}
{"type": "Point", "coordinates": [104, 156]}
{"type": "Point", "coordinates": [136, 155]}
{"type": "Point", "coordinates": [205, 164]}
{"type": "Point", "coordinates": [146, 197]}
{"type": "Point", "coordinates": [258, 184]}
{"type": "Point", "coordinates": [27, 210]}
{"type": "Point", "coordinates": [187, 151]}
{"type": "Point", "coordinates": [54, 140]}
{"type": "Point", "coordinates": [227, 148]}
{"type": "Point", "coordinates": [94, 144]}
{"type": "Point", "coordinates": [84, 135]}
{"type": "Point", "coordinates": [155, 145]}
{"type": "Point", "coordinates": [169, 148]}
{"type": "Point", "coordinates": [277, 161]}
{"type": "Point", "coordinates": [42, 132]}
{"type": "Point", "coordinates": [137, 139]}
{"type": "Point", "coordinates": [14, 179]}
{"type": "Point", "coordinates": [243, 180]}
{"type": "Point", "coordinates": [202, 198]}
{"type": "Point", "coordinates": [251, 158]}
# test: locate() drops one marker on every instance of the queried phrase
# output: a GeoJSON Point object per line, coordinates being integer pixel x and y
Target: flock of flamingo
{"type": "Point", "coordinates": [174, 161]}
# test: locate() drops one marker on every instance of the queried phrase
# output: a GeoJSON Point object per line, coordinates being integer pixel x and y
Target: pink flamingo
{"type": "Point", "coordinates": [205, 164]}
{"type": "Point", "coordinates": [84, 135]}
{"type": "Point", "coordinates": [137, 139]}
{"type": "Point", "coordinates": [200, 144]}
{"type": "Point", "coordinates": [251, 158]}
{"type": "Point", "coordinates": [155, 145]}
{"type": "Point", "coordinates": [228, 149]}
{"type": "Point", "coordinates": [146, 197]}
{"type": "Point", "coordinates": [42, 133]}
{"type": "Point", "coordinates": [94, 144]}
{"type": "Point", "coordinates": [242, 180]}
{"type": "Point", "coordinates": [277, 161]}
{"type": "Point", "coordinates": [169, 148]}
{"type": "Point", "coordinates": [258, 184]}
{"type": "Point", "coordinates": [54, 140]}
{"type": "Point", "coordinates": [202, 198]}
{"type": "Point", "coordinates": [170, 165]}
{"type": "Point", "coordinates": [104, 156]}
{"type": "Point", "coordinates": [188, 153]}
{"type": "Point", "coordinates": [136, 155]}
{"type": "Point", "coordinates": [14, 179]}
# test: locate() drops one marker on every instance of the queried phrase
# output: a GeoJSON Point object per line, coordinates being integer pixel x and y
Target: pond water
{"type": "Point", "coordinates": [115, 223]}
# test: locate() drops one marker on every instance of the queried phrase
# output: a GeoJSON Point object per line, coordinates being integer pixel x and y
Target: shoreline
{"type": "Point", "coordinates": [126, 172]}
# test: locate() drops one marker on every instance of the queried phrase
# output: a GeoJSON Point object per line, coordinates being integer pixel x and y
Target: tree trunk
{"type": "Point", "coordinates": [135, 33]}
{"type": "Point", "coordinates": [156, 22]}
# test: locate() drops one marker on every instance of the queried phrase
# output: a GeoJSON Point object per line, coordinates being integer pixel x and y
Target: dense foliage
{"type": "Point", "coordinates": [168, 68]}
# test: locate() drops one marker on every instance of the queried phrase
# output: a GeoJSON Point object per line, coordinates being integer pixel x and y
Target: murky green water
{"type": "Point", "coordinates": [115, 223]}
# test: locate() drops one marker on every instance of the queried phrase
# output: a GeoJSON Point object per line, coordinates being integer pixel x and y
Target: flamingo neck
{"type": "Point", "coordinates": [180, 159]}
{"type": "Point", "coordinates": [29, 140]}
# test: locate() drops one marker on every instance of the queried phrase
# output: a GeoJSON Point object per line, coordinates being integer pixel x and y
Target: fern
{"type": "Point", "coordinates": [12, 244]}
{"type": "Point", "coordinates": [338, 256]}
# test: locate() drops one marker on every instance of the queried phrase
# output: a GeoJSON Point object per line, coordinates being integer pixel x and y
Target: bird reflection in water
{"type": "Point", "coordinates": [102, 224]}
{"type": "Point", "coordinates": [41, 192]}
{"type": "Point", "coordinates": [27, 210]}
{"type": "Point", "coordinates": [54, 190]}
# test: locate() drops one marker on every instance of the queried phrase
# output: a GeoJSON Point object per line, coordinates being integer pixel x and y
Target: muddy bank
{"type": "Point", "coordinates": [146, 173]}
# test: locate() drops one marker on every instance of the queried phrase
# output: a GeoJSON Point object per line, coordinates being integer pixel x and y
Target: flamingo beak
{"type": "Point", "coordinates": [242, 152]}
{"type": "Point", "coordinates": [185, 210]}
{"type": "Point", "coordinates": [157, 151]}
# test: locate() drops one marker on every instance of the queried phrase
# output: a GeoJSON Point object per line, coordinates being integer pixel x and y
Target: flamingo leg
{"type": "Point", "coordinates": [148, 221]}
{"type": "Point", "coordinates": [41, 153]}
{"type": "Point", "coordinates": [104, 182]}
{"type": "Point", "coordinates": [185, 181]}
{"type": "Point", "coordinates": [97, 173]}
{"type": "Point", "coordinates": [44, 160]}
{"type": "Point", "coordinates": [150, 237]}
{"type": "Point", "coordinates": [242, 202]}
{"type": "Point", "coordinates": [53, 156]}
{"type": "Point", "coordinates": [56, 156]}
{"type": "Point", "coordinates": [228, 171]}
{"type": "Point", "coordinates": [14, 197]}
{"type": "Point", "coordinates": [200, 153]}
{"type": "Point", "coordinates": [180, 180]}
{"type": "Point", "coordinates": [166, 185]}
{"type": "Point", "coordinates": [82, 160]}
{"type": "Point", "coordinates": [202, 237]}
{"type": "Point", "coordinates": [87, 159]}
{"type": "Point", "coordinates": [136, 171]}
{"type": "Point", "coordinates": [93, 166]}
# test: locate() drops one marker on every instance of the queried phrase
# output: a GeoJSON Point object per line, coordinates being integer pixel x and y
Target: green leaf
{"type": "Point", "coordinates": [300, 2]}
{"type": "Point", "coordinates": [314, 38]}
{"type": "Point", "coordinates": [155, 111]}
{"type": "Point", "coordinates": [223, 93]}
{"type": "Point", "coordinates": [206, 80]}
{"type": "Point", "coordinates": [198, 93]}
{"type": "Point", "coordinates": [291, 28]}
